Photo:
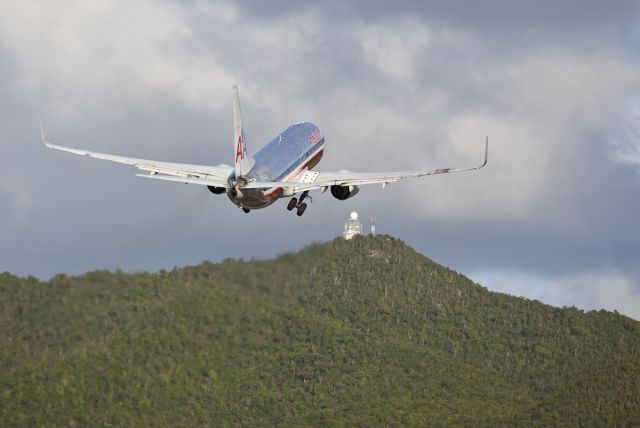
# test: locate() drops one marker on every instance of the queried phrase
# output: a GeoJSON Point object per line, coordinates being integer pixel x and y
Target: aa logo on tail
{"type": "Point", "coordinates": [239, 151]}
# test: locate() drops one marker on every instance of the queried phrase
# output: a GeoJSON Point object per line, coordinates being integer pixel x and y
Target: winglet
{"type": "Point", "coordinates": [44, 137]}
{"type": "Point", "coordinates": [486, 152]}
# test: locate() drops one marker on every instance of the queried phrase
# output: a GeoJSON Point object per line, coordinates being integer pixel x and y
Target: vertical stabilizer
{"type": "Point", "coordinates": [242, 161]}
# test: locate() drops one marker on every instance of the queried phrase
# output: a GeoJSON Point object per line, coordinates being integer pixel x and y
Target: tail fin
{"type": "Point", "coordinates": [242, 161]}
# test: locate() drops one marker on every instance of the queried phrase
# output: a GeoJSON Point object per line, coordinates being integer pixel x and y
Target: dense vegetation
{"type": "Point", "coordinates": [358, 333]}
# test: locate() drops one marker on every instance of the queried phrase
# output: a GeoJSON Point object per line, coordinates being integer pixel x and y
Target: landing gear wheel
{"type": "Point", "coordinates": [301, 208]}
{"type": "Point", "coordinates": [246, 210]}
{"type": "Point", "coordinates": [292, 204]}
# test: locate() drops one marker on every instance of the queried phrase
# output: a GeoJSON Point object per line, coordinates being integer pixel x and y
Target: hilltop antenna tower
{"type": "Point", "coordinates": [373, 226]}
{"type": "Point", "coordinates": [353, 226]}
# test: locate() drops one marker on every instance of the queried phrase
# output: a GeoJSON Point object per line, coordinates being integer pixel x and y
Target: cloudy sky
{"type": "Point", "coordinates": [393, 85]}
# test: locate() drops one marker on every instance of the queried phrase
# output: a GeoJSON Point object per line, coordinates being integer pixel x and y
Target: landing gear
{"type": "Point", "coordinates": [246, 210]}
{"type": "Point", "coordinates": [292, 204]}
{"type": "Point", "coordinates": [301, 209]}
{"type": "Point", "coordinates": [299, 203]}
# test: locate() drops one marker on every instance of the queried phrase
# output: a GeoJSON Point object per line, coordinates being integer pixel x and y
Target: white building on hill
{"type": "Point", "coordinates": [353, 226]}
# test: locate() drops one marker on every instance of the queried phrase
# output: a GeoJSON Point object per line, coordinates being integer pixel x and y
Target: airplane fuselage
{"type": "Point", "coordinates": [286, 157]}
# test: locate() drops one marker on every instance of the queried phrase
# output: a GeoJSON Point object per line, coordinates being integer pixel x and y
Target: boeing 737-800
{"type": "Point", "coordinates": [281, 168]}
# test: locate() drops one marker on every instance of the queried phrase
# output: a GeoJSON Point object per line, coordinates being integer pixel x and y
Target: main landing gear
{"type": "Point", "coordinates": [299, 204]}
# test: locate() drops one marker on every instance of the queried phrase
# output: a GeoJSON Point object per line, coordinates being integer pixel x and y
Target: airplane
{"type": "Point", "coordinates": [281, 168]}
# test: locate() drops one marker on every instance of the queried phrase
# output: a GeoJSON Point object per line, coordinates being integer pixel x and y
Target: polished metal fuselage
{"type": "Point", "coordinates": [286, 157]}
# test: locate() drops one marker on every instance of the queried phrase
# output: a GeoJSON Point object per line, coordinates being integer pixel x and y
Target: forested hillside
{"type": "Point", "coordinates": [346, 333]}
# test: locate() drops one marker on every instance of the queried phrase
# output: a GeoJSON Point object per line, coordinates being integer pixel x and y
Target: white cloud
{"type": "Point", "coordinates": [96, 52]}
{"type": "Point", "coordinates": [218, 10]}
{"type": "Point", "coordinates": [392, 46]}
{"type": "Point", "coordinates": [541, 113]}
{"type": "Point", "coordinates": [512, 282]}
{"type": "Point", "coordinates": [626, 140]}
{"type": "Point", "coordinates": [608, 290]}
{"type": "Point", "coordinates": [108, 53]}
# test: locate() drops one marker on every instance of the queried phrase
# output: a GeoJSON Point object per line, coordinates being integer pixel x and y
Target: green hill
{"type": "Point", "coordinates": [606, 395]}
{"type": "Point", "coordinates": [346, 333]}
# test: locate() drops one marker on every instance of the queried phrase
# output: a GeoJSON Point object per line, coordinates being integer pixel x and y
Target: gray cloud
{"type": "Point", "coordinates": [518, 18]}
{"type": "Point", "coordinates": [415, 85]}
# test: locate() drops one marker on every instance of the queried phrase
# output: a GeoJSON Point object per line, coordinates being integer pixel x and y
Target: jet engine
{"type": "Point", "coordinates": [344, 192]}
{"type": "Point", "coordinates": [217, 190]}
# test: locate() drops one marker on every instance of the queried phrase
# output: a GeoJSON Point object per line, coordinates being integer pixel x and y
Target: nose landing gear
{"type": "Point", "coordinates": [299, 203]}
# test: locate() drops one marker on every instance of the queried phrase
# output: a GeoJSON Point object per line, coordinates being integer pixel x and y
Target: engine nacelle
{"type": "Point", "coordinates": [344, 192]}
{"type": "Point", "coordinates": [216, 190]}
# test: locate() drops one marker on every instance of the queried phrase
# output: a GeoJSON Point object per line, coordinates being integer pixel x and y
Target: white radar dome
{"type": "Point", "coordinates": [354, 215]}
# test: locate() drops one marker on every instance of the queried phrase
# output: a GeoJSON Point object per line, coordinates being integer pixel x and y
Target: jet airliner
{"type": "Point", "coordinates": [282, 168]}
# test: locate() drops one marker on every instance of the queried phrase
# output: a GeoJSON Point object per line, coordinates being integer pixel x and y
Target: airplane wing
{"type": "Point", "coordinates": [346, 178]}
{"type": "Point", "coordinates": [215, 175]}
{"type": "Point", "coordinates": [321, 180]}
